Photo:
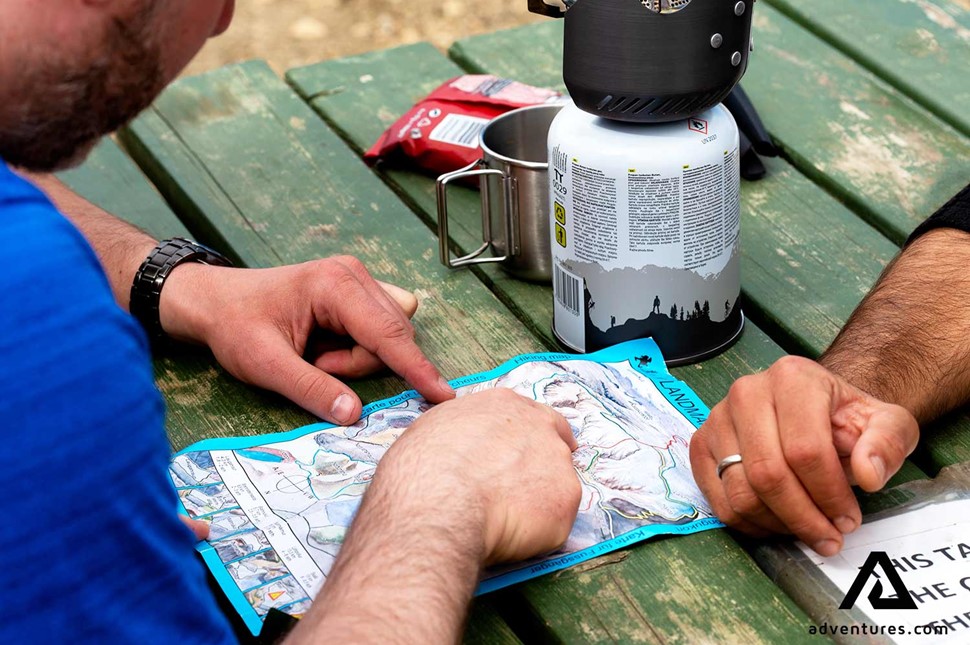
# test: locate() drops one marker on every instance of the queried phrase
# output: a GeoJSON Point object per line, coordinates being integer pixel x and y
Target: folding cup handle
{"type": "Point", "coordinates": [472, 170]}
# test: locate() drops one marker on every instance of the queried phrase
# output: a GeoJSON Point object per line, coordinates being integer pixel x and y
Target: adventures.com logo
{"type": "Point", "coordinates": [899, 599]}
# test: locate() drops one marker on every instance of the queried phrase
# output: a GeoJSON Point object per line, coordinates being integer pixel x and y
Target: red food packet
{"type": "Point", "coordinates": [440, 133]}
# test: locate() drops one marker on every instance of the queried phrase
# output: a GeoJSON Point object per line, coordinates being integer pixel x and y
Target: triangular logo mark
{"type": "Point", "coordinates": [879, 558]}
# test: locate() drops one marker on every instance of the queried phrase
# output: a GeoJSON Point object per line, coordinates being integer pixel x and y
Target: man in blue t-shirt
{"type": "Point", "coordinates": [89, 527]}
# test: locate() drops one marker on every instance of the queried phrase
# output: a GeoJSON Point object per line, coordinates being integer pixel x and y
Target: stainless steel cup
{"type": "Point", "coordinates": [514, 172]}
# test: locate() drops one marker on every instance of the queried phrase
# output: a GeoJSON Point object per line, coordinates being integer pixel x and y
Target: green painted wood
{"type": "Point", "coordinates": [854, 134]}
{"type": "Point", "coordinates": [850, 131]}
{"type": "Point", "coordinates": [920, 47]}
{"type": "Point", "coordinates": [289, 191]}
{"type": "Point", "coordinates": [806, 259]}
{"type": "Point", "coordinates": [487, 627]}
{"type": "Point", "coordinates": [636, 594]}
{"type": "Point", "coordinates": [110, 179]}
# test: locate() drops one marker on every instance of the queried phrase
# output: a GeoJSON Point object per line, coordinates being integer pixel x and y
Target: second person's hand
{"type": "Point", "coordinates": [805, 436]}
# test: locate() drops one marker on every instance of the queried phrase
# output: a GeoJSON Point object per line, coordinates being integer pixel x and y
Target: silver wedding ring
{"type": "Point", "coordinates": [726, 463]}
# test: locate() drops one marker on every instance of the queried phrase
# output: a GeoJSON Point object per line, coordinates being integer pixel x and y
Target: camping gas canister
{"type": "Point", "coordinates": [645, 232]}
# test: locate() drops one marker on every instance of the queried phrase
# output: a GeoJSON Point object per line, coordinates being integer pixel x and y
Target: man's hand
{"type": "Point", "coordinates": [483, 479]}
{"type": "Point", "coordinates": [291, 329]}
{"type": "Point", "coordinates": [297, 329]}
{"type": "Point", "coordinates": [805, 436]}
{"type": "Point", "coordinates": [510, 456]}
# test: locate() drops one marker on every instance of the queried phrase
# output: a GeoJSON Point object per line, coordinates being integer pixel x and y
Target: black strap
{"type": "Point", "coordinates": [146, 289]}
{"type": "Point", "coordinates": [954, 214]}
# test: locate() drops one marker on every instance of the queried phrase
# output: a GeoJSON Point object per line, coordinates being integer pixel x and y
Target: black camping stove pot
{"type": "Point", "coordinates": [651, 61]}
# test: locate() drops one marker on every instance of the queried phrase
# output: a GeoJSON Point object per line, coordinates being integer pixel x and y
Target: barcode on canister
{"type": "Point", "coordinates": [566, 288]}
{"type": "Point", "coordinates": [459, 130]}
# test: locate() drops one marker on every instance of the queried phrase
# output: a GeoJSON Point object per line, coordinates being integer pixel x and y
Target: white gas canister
{"type": "Point", "coordinates": [646, 232]}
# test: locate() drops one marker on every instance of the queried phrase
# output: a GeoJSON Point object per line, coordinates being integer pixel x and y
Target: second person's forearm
{"type": "Point", "coordinates": [908, 342]}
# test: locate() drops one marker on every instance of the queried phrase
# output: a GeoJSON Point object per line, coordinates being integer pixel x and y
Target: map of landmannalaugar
{"type": "Point", "coordinates": [280, 505]}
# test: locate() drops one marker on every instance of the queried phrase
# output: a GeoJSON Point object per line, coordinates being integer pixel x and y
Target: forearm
{"type": "Point", "coordinates": [909, 341]}
{"type": "Point", "coordinates": [120, 247]}
{"type": "Point", "coordinates": [406, 572]}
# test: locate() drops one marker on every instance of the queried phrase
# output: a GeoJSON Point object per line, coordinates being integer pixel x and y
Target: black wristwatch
{"type": "Point", "coordinates": [146, 290]}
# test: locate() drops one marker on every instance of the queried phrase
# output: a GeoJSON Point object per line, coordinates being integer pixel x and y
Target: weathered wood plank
{"type": "Point", "coordinates": [653, 592]}
{"type": "Point", "coordinates": [806, 259]}
{"type": "Point", "coordinates": [872, 145]}
{"type": "Point", "coordinates": [289, 190]}
{"type": "Point", "coordinates": [921, 48]}
{"type": "Point", "coordinates": [110, 179]}
{"type": "Point", "coordinates": [844, 128]}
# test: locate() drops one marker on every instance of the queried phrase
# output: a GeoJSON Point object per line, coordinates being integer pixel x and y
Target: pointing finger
{"type": "Point", "coordinates": [387, 335]}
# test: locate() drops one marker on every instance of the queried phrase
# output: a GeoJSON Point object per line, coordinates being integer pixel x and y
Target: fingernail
{"type": "Point", "coordinates": [846, 524]}
{"type": "Point", "coordinates": [827, 548]}
{"type": "Point", "coordinates": [880, 466]}
{"type": "Point", "coordinates": [343, 409]}
{"type": "Point", "coordinates": [443, 384]}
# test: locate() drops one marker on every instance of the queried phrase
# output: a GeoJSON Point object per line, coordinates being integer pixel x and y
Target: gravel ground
{"type": "Point", "coordinates": [289, 33]}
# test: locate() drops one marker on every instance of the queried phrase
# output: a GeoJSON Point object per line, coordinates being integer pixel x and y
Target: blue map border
{"type": "Point", "coordinates": [676, 392]}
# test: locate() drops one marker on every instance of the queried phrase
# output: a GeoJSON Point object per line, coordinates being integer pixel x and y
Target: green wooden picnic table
{"type": "Point", "coordinates": [868, 102]}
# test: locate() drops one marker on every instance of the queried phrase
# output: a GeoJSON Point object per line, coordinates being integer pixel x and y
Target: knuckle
{"type": "Point", "coordinates": [743, 390]}
{"type": "Point", "coordinates": [805, 455]}
{"type": "Point", "coordinates": [744, 502]}
{"type": "Point", "coordinates": [356, 267]}
{"type": "Point", "coordinates": [505, 396]}
{"type": "Point", "coordinates": [788, 367]}
{"type": "Point", "coordinates": [698, 446]}
{"type": "Point", "coordinates": [258, 359]}
{"type": "Point", "coordinates": [344, 283]}
{"type": "Point", "coordinates": [765, 476]}
{"type": "Point", "coordinates": [394, 330]}
{"type": "Point", "coordinates": [311, 385]}
{"type": "Point", "coordinates": [348, 261]}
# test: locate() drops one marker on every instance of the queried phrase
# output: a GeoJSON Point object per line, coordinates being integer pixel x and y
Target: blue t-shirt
{"type": "Point", "coordinates": [93, 550]}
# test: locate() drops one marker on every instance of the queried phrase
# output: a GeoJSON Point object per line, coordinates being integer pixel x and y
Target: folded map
{"type": "Point", "coordinates": [280, 504]}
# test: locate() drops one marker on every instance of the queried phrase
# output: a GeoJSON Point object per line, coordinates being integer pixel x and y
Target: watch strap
{"type": "Point", "coordinates": [146, 290]}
